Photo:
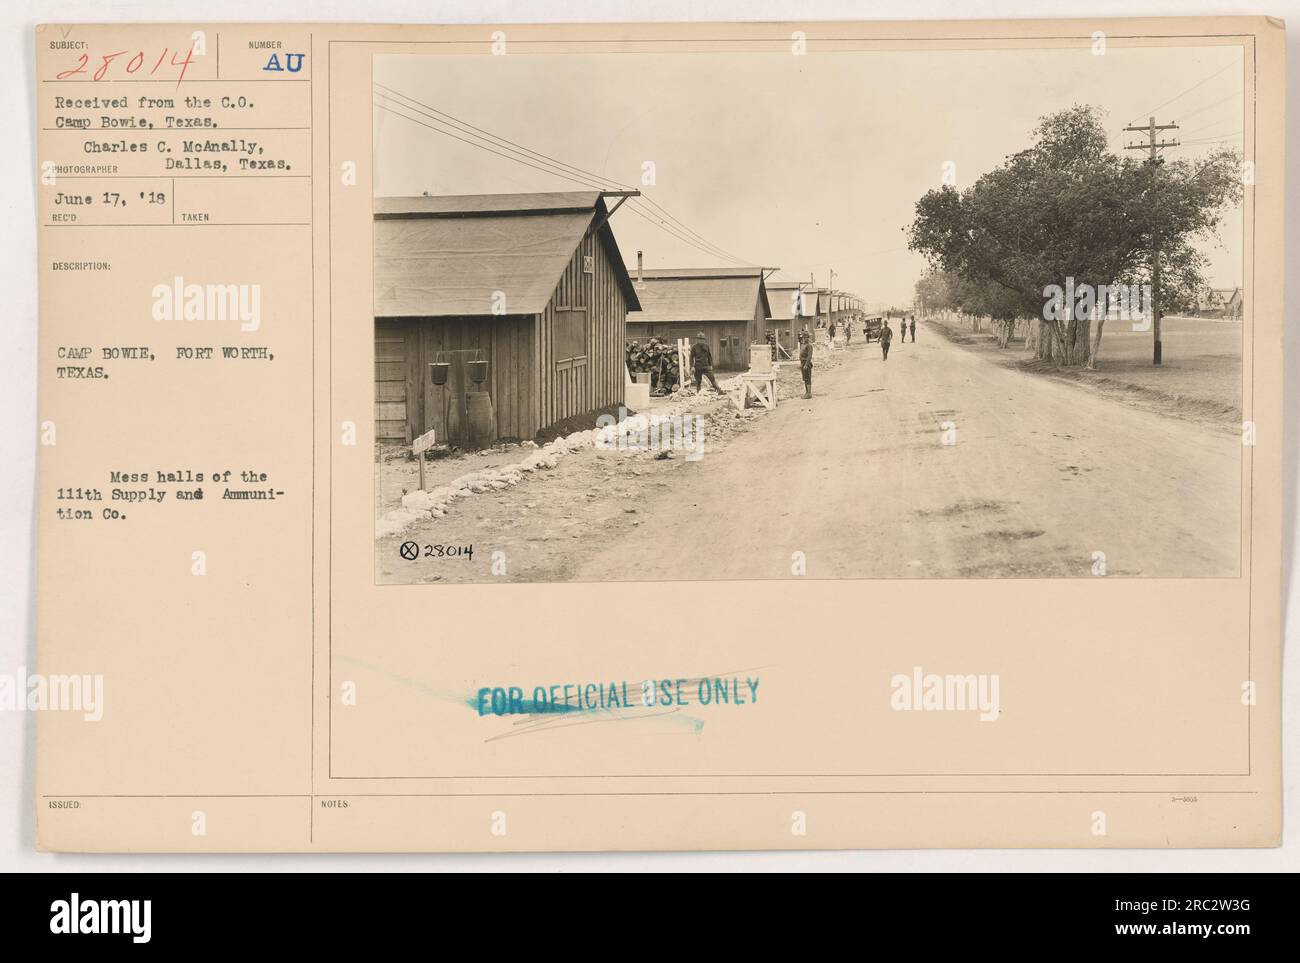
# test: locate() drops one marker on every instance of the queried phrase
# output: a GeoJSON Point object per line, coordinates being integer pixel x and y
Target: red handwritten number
{"type": "Point", "coordinates": [79, 69]}
{"type": "Point", "coordinates": [134, 64]}
{"type": "Point", "coordinates": [103, 68]}
{"type": "Point", "coordinates": [184, 65]}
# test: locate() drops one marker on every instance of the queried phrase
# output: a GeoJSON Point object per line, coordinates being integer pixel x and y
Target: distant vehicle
{"type": "Point", "coordinates": [871, 327]}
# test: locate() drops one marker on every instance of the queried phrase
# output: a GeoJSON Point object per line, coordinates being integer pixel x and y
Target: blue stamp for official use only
{"type": "Point", "coordinates": [617, 695]}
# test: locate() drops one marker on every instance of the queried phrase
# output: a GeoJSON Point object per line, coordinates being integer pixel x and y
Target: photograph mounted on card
{"type": "Point", "coordinates": [659, 436]}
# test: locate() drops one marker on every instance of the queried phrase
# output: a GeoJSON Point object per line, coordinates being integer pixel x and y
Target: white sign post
{"type": "Point", "coordinates": [418, 448]}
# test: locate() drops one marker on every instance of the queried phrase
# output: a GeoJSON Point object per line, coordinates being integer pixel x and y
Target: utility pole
{"type": "Point", "coordinates": [1152, 130]}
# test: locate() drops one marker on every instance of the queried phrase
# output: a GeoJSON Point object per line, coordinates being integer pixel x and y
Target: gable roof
{"type": "Point", "coordinates": [701, 294]}
{"type": "Point", "coordinates": [441, 256]}
{"type": "Point", "coordinates": [781, 297]}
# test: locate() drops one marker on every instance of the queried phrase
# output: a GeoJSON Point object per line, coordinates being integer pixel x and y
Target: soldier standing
{"type": "Point", "coordinates": [886, 336]}
{"type": "Point", "coordinates": [702, 362]}
{"type": "Point", "coordinates": [805, 362]}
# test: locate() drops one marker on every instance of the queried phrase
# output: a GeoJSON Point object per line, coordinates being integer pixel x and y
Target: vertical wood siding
{"type": "Point", "coordinates": [757, 330]}
{"type": "Point", "coordinates": [724, 359]}
{"type": "Point", "coordinates": [569, 389]}
{"type": "Point", "coordinates": [394, 344]}
{"type": "Point", "coordinates": [408, 346]}
{"type": "Point", "coordinates": [529, 392]}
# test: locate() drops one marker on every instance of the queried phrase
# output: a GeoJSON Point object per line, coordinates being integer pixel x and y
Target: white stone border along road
{"type": "Point", "coordinates": [421, 506]}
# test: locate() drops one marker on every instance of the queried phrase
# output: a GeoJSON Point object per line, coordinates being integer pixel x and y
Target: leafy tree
{"type": "Point", "coordinates": [1067, 208]}
{"type": "Point", "coordinates": [940, 291]}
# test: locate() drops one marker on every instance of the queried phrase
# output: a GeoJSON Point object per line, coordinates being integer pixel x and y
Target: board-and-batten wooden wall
{"type": "Point", "coordinates": [725, 358]}
{"type": "Point", "coordinates": [597, 382]}
{"type": "Point", "coordinates": [405, 405]}
{"type": "Point", "coordinates": [531, 388]}
{"type": "Point", "coordinates": [393, 339]}
{"type": "Point", "coordinates": [729, 357]}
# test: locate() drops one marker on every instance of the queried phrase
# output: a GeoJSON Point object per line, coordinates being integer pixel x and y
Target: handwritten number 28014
{"type": "Point", "coordinates": [133, 63]}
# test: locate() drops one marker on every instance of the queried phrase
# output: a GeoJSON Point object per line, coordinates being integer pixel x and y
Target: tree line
{"type": "Point", "coordinates": [1067, 214]}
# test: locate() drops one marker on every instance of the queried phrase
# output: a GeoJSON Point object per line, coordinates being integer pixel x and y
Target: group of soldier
{"type": "Point", "coordinates": [702, 357]}
{"type": "Point", "coordinates": [887, 334]}
{"type": "Point", "coordinates": [906, 326]}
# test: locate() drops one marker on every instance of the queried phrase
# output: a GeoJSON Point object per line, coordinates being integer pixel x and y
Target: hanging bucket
{"type": "Point", "coordinates": [438, 372]}
{"type": "Point", "coordinates": [478, 371]}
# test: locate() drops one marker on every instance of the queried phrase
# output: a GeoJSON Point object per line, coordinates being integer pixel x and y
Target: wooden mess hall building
{"type": "Point", "coordinates": [728, 305]}
{"type": "Point", "coordinates": [790, 311]}
{"type": "Point", "coordinates": [535, 282]}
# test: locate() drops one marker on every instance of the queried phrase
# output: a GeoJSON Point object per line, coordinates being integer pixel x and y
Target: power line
{"type": "Point", "coordinates": [1226, 139]}
{"type": "Point", "coordinates": [558, 173]}
{"type": "Point", "coordinates": [1203, 127]}
{"type": "Point", "coordinates": [668, 229]}
{"type": "Point", "coordinates": [1148, 113]}
{"type": "Point", "coordinates": [1208, 106]}
{"type": "Point", "coordinates": [681, 237]}
{"type": "Point", "coordinates": [821, 264]}
{"type": "Point", "coordinates": [447, 133]}
{"type": "Point", "coordinates": [1217, 135]}
{"type": "Point", "coordinates": [428, 111]}
{"type": "Point", "coordinates": [1153, 146]}
{"type": "Point", "coordinates": [421, 107]}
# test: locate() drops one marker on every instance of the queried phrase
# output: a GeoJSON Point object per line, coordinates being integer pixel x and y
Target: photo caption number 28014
{"type": "Point", "coordinates": [411, 551]}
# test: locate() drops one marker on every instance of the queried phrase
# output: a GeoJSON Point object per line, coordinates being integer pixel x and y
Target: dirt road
{"type": "Point", "coordinates": [1041, 475]}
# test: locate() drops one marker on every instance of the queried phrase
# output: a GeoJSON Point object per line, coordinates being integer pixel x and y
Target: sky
{"type": "Point", "coordinates": [803, 163]}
